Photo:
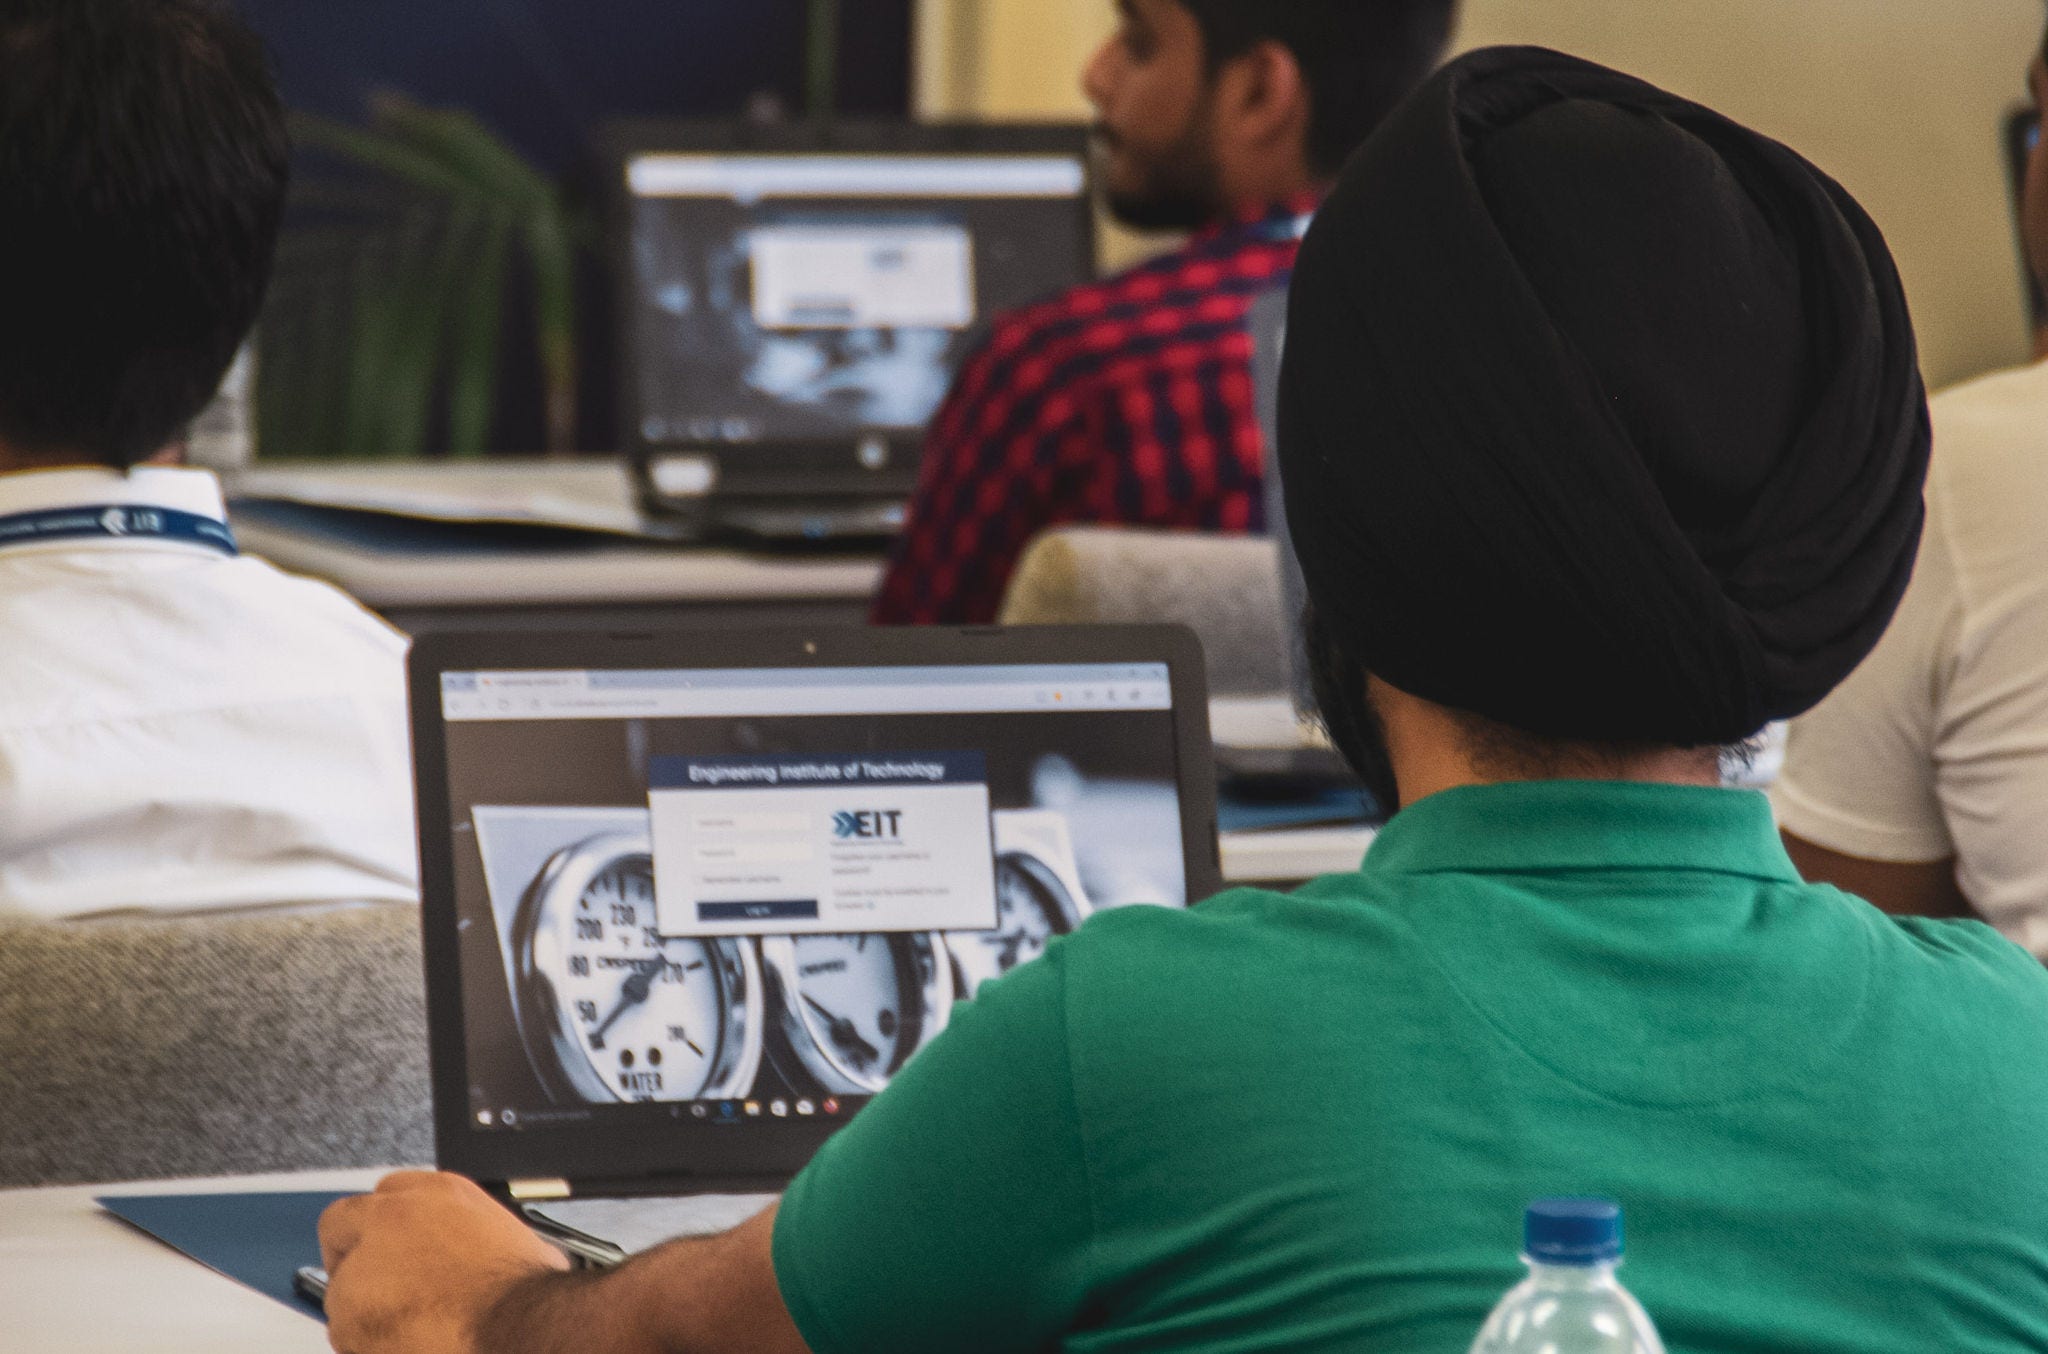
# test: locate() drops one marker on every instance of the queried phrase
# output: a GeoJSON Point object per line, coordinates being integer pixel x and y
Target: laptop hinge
{"type": "Point", "coordinates": [533, 1191]}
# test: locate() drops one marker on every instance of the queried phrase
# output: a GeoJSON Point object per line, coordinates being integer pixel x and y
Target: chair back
{"type": "Point", "coordinates": [140, 1048]}
{"type": "Point", "coordinates": [1224, 588]}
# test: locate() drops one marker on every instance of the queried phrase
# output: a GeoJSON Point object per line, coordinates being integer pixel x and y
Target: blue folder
{"type": "Point", "coordinates": [255, 1239]}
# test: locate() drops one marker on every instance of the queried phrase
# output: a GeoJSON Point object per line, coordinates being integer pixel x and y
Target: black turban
{"type": "Point", "coordinates": [1601, 414]}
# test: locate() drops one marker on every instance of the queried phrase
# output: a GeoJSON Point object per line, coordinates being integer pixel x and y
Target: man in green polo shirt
{"type": "Point", "coordinates": [1603, 442]}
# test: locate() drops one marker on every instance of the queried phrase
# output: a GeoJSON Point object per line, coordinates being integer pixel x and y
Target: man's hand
{"type": "Point", "coordinates": [415, 1267]}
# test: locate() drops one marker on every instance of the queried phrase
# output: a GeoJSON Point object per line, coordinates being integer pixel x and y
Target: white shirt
{"type": "Point", "coordinates": [1938, 745]}
{"type": "Point", "coordinates": [182, 728]}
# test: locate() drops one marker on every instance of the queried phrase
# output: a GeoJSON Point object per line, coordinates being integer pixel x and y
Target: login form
{"type": "Point", "coordinates": [822, 844]}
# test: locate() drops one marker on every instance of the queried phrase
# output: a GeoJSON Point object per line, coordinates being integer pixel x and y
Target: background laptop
{"type": "Point", "coordinates": [689, 901]}
{"type": "Point", "coordinates": [795, 299]}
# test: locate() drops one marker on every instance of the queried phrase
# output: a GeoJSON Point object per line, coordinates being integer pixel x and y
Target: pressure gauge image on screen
{"type": "Point", "coordinates": [612, 1010]}
{"type": "Point", "coordinates": [851, 1009]}
{"type": "Point", "coordinates": [1038, 896]}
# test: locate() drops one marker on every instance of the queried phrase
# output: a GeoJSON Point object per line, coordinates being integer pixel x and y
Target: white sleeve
{"type": "Point", "coordinates": [1991, 746]}
{"type": "Point", "coordinates": [1860, 776]}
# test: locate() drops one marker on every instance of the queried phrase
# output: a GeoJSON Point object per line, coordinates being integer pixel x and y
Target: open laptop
{"type": "Point", "coordinates": [690, 899]}
{"type": "Point", "coordinates": [795, 298]}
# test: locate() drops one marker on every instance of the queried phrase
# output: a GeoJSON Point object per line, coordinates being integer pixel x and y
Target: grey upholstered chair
{"type": "Point", "coordinates": [1243, 597]}
{"type": "Point", "coordinates": [144, 1048]}
{"type": "Point", "coordinates": [1225, 588]}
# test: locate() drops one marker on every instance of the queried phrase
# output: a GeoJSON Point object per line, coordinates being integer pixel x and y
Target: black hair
{"type": "Point", "coordinates": [1360, 58]}
{"type": "Point", "coordinates": [1339, 682]}
{"type": "Point", "coordinates": [143, 161]}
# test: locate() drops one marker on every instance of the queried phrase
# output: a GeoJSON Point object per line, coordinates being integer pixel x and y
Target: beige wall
{"type": "Point", "coordinates": [1017, 59]}
{"type": "Point", "coordinates": [1007, 58]}
{"type": "Point", "coordinates": [1900, 99]}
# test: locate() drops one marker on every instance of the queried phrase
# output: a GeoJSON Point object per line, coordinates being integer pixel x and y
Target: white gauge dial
{"type": "Point", "coordinates": [853, 1008]}
{"type": "Point", "coordinates": [1032, 906]}
{"type": "Point", "coordinates": [615, 1011]}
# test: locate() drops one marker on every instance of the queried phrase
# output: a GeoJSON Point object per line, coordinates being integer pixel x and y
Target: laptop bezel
{"type": "Point", "coordinates": [684, 1156]}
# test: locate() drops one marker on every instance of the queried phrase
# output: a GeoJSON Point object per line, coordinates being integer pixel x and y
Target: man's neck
{"type": "Point", "coordinates": [1433, 751]}
{"type": "Point", "coordinates": [1281, 189]}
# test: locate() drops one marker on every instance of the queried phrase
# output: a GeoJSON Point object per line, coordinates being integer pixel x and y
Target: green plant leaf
{"type": "Point", "coordinates": [468, 150]}
{"type": "Point", "coordinates": [401, 308]}
{"type": "Point", "coordinates": [396, 296]}
{"type": "Point", "coordinates": [473, 354]}
{"type": "Point", "coordinates": [376, 150]}
{"type": "Point", "coordinates": [821, 53]}
{"type": "Point", "coordinates": [552, 256]}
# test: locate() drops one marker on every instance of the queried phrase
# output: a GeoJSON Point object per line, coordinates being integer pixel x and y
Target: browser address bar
{"type": "Point", "coordinates": [760, 702]}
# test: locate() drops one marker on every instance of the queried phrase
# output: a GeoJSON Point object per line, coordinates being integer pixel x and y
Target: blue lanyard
{"type": "Point", "coordinates": [115, 521]}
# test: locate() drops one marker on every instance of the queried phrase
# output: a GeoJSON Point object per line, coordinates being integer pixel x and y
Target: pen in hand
{"type": "Point", "coordinates": [310, 1283]}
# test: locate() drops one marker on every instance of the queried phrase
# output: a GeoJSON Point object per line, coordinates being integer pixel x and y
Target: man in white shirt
{"type": "Point", "coordinates": [181, 727]}
{"type": "Point", "coordinates": [1922, 782]}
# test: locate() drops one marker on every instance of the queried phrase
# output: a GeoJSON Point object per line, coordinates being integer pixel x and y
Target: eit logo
{"type": "Point", "coordinates": [868, 825]}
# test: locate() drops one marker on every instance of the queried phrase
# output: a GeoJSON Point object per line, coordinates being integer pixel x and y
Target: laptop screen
{"type": "Point", "coordinates": [808, 297]}
{"type": "Point", "coordinates": [751, 895]}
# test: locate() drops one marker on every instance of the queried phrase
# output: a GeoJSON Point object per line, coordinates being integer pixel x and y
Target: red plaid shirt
{"type": "Point", "coordinates": [1126, 401]}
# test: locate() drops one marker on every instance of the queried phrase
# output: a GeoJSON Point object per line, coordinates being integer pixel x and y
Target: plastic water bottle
{"type": "Point", "coordinates": [1571, 1303]}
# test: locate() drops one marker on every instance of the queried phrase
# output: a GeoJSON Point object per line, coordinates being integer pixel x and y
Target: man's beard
{"type": "Point", "coordinates": [1181, 188]}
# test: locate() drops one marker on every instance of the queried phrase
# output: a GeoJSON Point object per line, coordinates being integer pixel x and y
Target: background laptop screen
{"type": "Point", "coordinates": [803, 297]}
{"type": "Point", "coordinates": [745, 895]}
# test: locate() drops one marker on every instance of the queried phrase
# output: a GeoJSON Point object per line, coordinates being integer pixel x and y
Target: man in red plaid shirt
{"type": "Point", "coordinates": [1130, 400]}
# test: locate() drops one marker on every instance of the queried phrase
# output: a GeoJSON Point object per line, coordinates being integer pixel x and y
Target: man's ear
{"type": "Point", "coordinates": [1263, 102]}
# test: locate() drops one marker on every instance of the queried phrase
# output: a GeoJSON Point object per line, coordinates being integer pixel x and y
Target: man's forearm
{"type": "Point", "coordinates": [715, 1294]}
{"type": "Point", "coordinates": [585, 1312]}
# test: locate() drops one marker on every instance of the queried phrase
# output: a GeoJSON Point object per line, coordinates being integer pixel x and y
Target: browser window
{"type": "Point", "coordinates": [745, 895]}
{"type": "Point", "coordinates": [798, 297]}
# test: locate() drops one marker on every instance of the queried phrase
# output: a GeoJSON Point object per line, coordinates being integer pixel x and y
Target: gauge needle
{"type": "Point", "coordinates": [1011, 946]}
{"type": "Point", "coordinates": [845, 1035]}
{"type": "Point", "coordinates": [636, 990]}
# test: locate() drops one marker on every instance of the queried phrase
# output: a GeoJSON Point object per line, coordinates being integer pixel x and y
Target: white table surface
{"type": "Point", "coordinates": [1280, 854]}
{"type": "Point", "coordinates": [593, 494]}
{"type": "Point", "coordinates": [75, 1280]}
{"type": "Point", "coordinates": [613, 574]}
{"type": "Point", "coordinates": [1291, 855]}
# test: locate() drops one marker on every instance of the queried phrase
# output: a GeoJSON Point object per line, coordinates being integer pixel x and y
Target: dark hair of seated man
{"type": "Point", "coordinates": [1173, 161]}
{"type": "Point", "coordinates": [1359, 58]}
{"type": "Point", "coordinates": [1495, 751]}
{"type": "Point", "coordinates": [143, 161]}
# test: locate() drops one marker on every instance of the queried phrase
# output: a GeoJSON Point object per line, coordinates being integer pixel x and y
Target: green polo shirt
{"type": "Point", "coordinates": [1311, 1122]}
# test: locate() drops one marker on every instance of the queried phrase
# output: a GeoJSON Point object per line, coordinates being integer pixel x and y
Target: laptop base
{"type": "Point", "coordinates": [607, 1232]}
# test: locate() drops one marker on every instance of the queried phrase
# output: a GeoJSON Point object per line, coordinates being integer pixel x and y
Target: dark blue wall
{"type": "Point", "coordinates": [543, 73]}
{"type": "Point", "coordinates": [546, 74]}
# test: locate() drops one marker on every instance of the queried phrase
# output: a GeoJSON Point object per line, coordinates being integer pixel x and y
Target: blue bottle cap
{"type": "Point", "coordinates": [1572, 1231]}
